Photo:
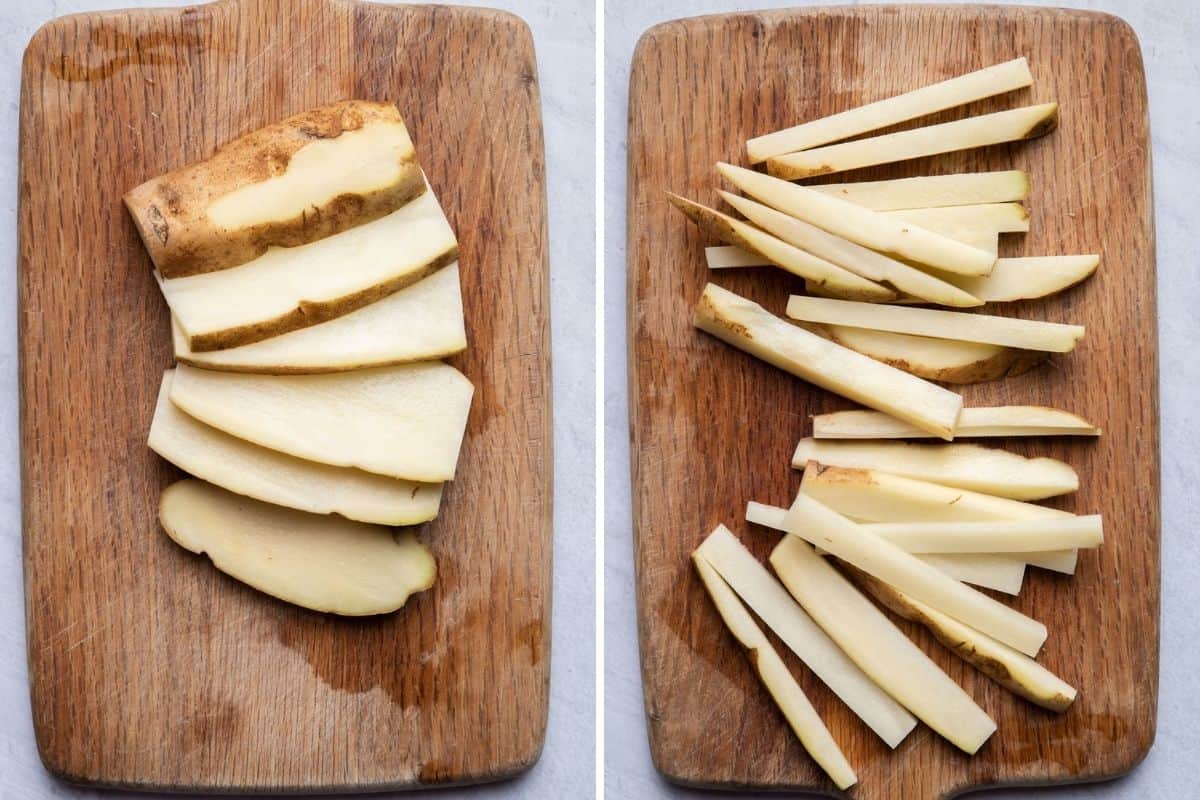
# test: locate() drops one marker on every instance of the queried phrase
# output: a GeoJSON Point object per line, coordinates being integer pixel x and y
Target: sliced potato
{"type": "Point", "coordinates": [878, 647]}
{"type": "Point", "coordinates": [779, 252]}
{"type": "Point", "coordinates": [310, 176]}
{"type": "Point", "coordinates": [934, 191]}
{"type": "Point", "coordinates": [816, 523]}
{"type": "Point", "coordinates": [998, 217]}
{"type": "Point", "coordinates": [727, 256]}
{"type": "Point", "coordinates": [419, 323]}
{"type": "Point", "coordinates": [1015, 279]}
{"type": "Point", "coordinates": [404, 422]}
{"type": "Point", "coordinates": [273, 477]}
{"type": "Point", "coordinates": [968, 88]}
{"type": "Point", "coordinates": [863, 226]}
{"type": "Point", "coordinates": [319, 562]}
{"type": "Point", "coordinates": [750, 327]}
{"type": "Point", "coordinates": [1013, 125]}
{"type": "Point", "coordinates": [1014, 671]}
{"type": "Point", "coordinates": [955, 325]}
{"type": "Point", "coordinates": [974, 422]}
{"type": "Point", "coordinates": [998, 536]}
{"type": "Point", "coordinates": [968, 466]}
{"type": "Point", "coordinates": [774, 674]}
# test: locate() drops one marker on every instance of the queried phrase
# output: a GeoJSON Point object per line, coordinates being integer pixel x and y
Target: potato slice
{"type": "Point", "coordinates": [1013, 125]}
{"type": "Point", "coordinates": [727, 256]}
{"type": "Point", "coordinates": [419, 323]}
{"type": "Point", "coordinates": [934, 359]}
{"type": "Point", "coordinates": [1000, 536]}
{"type": "Point", "coordinates": [933, 191]}
{"type": "Point", "coordinates": [863, 226]}
{"type": "Point", "coordinates": [816, 523]}
{"type": "Point", "coordinates": [318, 562]}
{"type": "Point", "coordinates": [273, 477]}
{"type": "Point", "coordinates": [779, 612]}
{"type": "Point", "coordinates": [998, 217]}
{"type": "Point", "coordinates": [968, 88]}
{"type": "Point", "coordinates": [967, 466]}
{"type": "Point", "coordinates": [1014, 671]}
{"type": "Point", "coordinates": [779, 252]}
{"type": "Point", "coordinates": [879, 648]}
{"type": "Point", "coordinates": [288, 288]}
{"type": "Point", "coordinates": [1015, 279]}
{"type": "Point", "coordinates": [854, 257]}
{"type": "Point", "coordinates": [955, 325]}
{"type": "Point", "coordinates": [985, 421]}
{"type": "Point", "coordinates": [750, 327]}
{"type": "Point", "coordinates": [774, 674]}
{"type": "Point", "coordinates": [404, 422]}
{"type": "Point", "coordinates": [310, 176]}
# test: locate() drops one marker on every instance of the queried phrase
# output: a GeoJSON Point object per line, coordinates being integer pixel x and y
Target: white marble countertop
{"type": "Point", "coordinates": [563, 33]}
{"type": "Point", "coordinates": [1167, 30]}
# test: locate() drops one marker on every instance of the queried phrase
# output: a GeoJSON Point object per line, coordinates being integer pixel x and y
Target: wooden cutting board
{"type": "Point", "coordinates": [149, 669]}
{"type": "Point", "coordinates": [714, 427]}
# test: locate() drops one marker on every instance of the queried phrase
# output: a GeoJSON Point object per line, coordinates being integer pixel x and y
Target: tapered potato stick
{"type": "Point", "coordinates": [964, 134]}
{"type": "Point", "coordinates": [986, 329]}
{"type": "Point", "coordinates": [878, 647]}
{"type": "Point", "coordinates": [968, 88]}
{"type": "Point", "coordinates": [934, 191]}
{"type": "Point", "coordinates": [863, 226]}
{"type": "Point", "coordinates": [1028, 278]}
{"type": "Point", "coordinates": [750, 327]}
{"type": "Point", "coordinates": [999, 217]}
{"type": "Point", "coordinates": [975, 422]}
{"type": "Point", "coordinates": [727, 256]}
{"type": "Point", "coordinates": [774, 674]}
{"type": "Point", "coordinates": [1016, 536]}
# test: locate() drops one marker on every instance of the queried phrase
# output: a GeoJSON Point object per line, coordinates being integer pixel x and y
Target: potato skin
{"type": "Point", "coordinates": [170, 211]}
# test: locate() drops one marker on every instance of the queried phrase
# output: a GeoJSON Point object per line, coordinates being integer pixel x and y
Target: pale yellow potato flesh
{"type": "Point", "coordinates": [404, 422]}
{"type": "Point", "coordinates": [727, 256]}
{"type": "Point", "coordinates": [871, 229]}
{"type": "Point", "coordinates": [818, 524]}
{"type": "Point", "coordinates": [774, 674]}
{"type": "Point", "coordinates": [755, 585]}
{"type": "Point", "coordinates": [1028, 278]}
{"type": "Point", "coordinates": [986, 82]}
{"type": "Point", "coordinates": [998, 217]}
{"type": "Point", "coordinates": [274, 477]}
{"type": "Point", "coordinates": [854, 257]}
{"type": "Point", "coordinates": [750, 327]}
{"type": "Point", "coordinates": [968, 466]}
{"type": "Point", "coordinates": [997, 536]}
{"type": "Point", "coordinates": [323, 563]}
{"type": "Point", "coordinates": [978, 421]}
{"type": "Point", "coordinates": [934, 191]}
{"type": "Point", "coordinates": [1024, 334]}
{"type": "Point", "coordinates": [879, 648]}
{"type": "Point", "coordinates": [418, 323]}
{"type": "Point", "coordinates": [964, 134]}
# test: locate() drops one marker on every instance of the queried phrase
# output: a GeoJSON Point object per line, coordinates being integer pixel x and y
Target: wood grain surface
{"type": "Point", "coordinates": [150, 669]}
{"type": "Point", "coordinates": [713, 427]}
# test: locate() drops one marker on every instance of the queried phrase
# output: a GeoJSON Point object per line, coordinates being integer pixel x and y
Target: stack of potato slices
{"type": "Point", "coordinates": [312, 280]}
{"type": "Point", "coordinates": [908, 524]}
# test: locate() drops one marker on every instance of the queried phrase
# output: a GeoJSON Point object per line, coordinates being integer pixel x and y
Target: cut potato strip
{"type": "Point", "coordinates": [1015, 279]}
{"type": "Point", "coordinates": [319, 562]}
{"type": "Point", "coordinates": [986, 82]}
{"type": "Point", "coordinates": [854, 257]}
{"type": "Point", "coordinates": [776, 608]}
{"type": "Point", "coordinates": [934, 191]}
{"type": "Point", "coordinates": [1014, 671]}
{"type": "Point", "coordinates": [727, 256]}
{"type": "Point", "coordinates": [863, 226]}
{"type": "Point", "coordinates": [273, 477]}
{"type": "Point", "coordinates": [1013, 125]}
{"type": "Point", "coordinates": [404, 422]}
{"type": "Point", "coordinates": [942, 360]}
{"type": "Point", "coordinates": [774, 674]}
{"type": "Point", "coordinates": [955, 325]}
{"type": "Point", "coordinates": [967, 466]}
{"type": "Point", "coordinates": [997, 536]}
{"type": "Point", "coordinates": [288, 288]}
{"type": "Point", "coordinates": [779, 252]}
{"type": "Point", "coordinates": [816, 523]}
{"type": "Point", "coordinates": [1002, 573]}
{"type": "Point", "coordinates": [998, 217]}
{"type": "Point", "coordinates": [878, 647]}
{"type": "Point", "coordinates": [873, 496]}
{"type": "Point", "coordinates": [420, 323]}
{"type": "Point", "coordinates": [974, 422]}
{"type": "Point", "coordinates": [750, 327]}
{"type": "Point", "coordinates": [308, 177]}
